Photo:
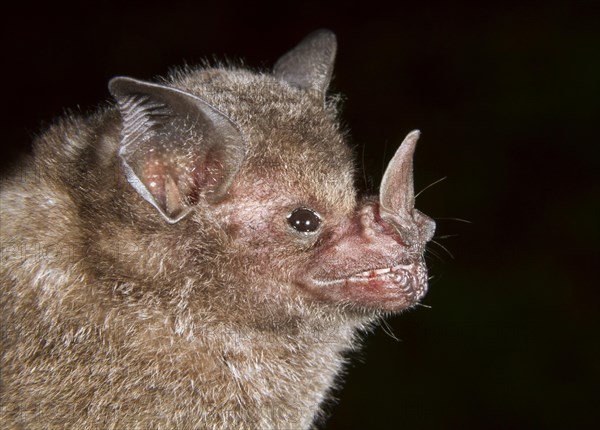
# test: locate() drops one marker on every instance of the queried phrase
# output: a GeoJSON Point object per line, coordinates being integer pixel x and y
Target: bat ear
{"type": "Point", "coordinates": [176, 149]}
{"type": "Point", "coordinates": [310, 64]}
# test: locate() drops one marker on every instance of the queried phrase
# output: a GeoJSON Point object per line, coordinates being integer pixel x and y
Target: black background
{"type": "Point", "coordinates": [507, 99]}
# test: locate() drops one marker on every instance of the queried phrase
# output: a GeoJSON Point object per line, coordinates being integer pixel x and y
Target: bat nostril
{"type": "Point", "coordinates": [377, 221]}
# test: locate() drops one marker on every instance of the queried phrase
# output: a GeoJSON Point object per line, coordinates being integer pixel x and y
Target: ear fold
{"type": "Point", "coordinates": [310, 64]}
{"type": "Point", "coordinates": [176, 149]}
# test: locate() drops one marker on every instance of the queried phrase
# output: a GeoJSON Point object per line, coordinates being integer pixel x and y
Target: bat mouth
{"type": "Point", "coordinates": [409, 280]}
{"type": "Point", "coordinates": [388, 288]}
{"type": "Point", "coordinates": [399, 272]}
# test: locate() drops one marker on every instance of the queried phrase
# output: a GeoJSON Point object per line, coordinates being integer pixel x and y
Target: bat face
{"type": "Point", "coordinates": [367, 263]}
{"type": "Point", "coordinates": [279, 181]}
{"type": "Point", "coordinates": [366, 255]}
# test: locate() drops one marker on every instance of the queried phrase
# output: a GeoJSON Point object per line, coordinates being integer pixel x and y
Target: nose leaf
{"type": "Point", "coordinates": [397, 194]}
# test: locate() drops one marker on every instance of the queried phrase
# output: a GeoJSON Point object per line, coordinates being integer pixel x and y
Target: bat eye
{"type": "Point", "coordinates": [304, 220]}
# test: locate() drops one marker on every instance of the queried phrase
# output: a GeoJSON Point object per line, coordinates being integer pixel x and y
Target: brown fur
{"type": "Point", "coordinates": [113, 318]}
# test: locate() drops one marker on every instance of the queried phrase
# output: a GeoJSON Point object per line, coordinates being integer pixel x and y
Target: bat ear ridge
{"type": "Point", "coordinates": [310, 64]}
{"type": "Point", "coordinates": [176, 149]}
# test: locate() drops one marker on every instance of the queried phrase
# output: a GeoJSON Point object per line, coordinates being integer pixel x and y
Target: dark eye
{"type": "Point", "coordinates": [304, 220]}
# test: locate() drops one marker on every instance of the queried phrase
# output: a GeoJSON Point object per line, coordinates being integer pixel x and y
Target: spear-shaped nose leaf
{"type": "Point", "coordinates": [397, 195]}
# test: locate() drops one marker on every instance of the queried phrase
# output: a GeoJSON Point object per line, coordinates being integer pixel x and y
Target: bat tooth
{"type": "Point", "coordinates": [382, 271]}
{"type": "Point", "coordinates": [402, 267]}
{"type": "Point", "coordinates": [373, 273]}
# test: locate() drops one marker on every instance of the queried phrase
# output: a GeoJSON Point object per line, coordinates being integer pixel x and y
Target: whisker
{"type": "Point", "coordinates": [364, 171]}
{"type": "Point", "coordinates": [435, 254]}
{"type": "Point", "coordinates": [446, 236]}
{"type": "Point", "coordinates": [388, 330]}
{"type": "Point", "coordinates": [424, 306]}
{"type": "Point", "coordinates": [444, 248]}
{"type": "Point", "coordinates": [454, 219]}
{"type": "Point", "coordinates": [383, 163]}
{"type": "Point", "coordinates": [430, 185]}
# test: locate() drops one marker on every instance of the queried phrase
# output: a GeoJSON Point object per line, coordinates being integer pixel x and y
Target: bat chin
{"type": "Point", "coordinates": [383, 289]}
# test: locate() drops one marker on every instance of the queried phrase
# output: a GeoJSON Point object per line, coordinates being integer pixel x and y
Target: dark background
{"type": "Point", "coordinates": [507, 98]}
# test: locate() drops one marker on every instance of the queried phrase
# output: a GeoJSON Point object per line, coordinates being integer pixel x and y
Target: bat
{"type": "Point", "coordinates": [195, 254]}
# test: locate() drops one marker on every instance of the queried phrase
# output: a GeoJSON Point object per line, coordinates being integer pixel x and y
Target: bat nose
{"type": "Point", "coordinates": [414, 227]}
{"type": "Point", "coordinates": [378, 224]}
{"type": "Point", "coordinates": [426, 225]}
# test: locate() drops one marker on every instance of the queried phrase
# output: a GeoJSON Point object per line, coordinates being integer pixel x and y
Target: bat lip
{"type": "Point", "coordinates": [382, 272]}
{"type": "Point", "coordinates": [393, 288]}
{"type": "Point", "coordinates": [369, 274]}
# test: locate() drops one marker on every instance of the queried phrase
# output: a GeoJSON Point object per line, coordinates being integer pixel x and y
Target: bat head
{"type": "Point", "coordinates": [258, 160]}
